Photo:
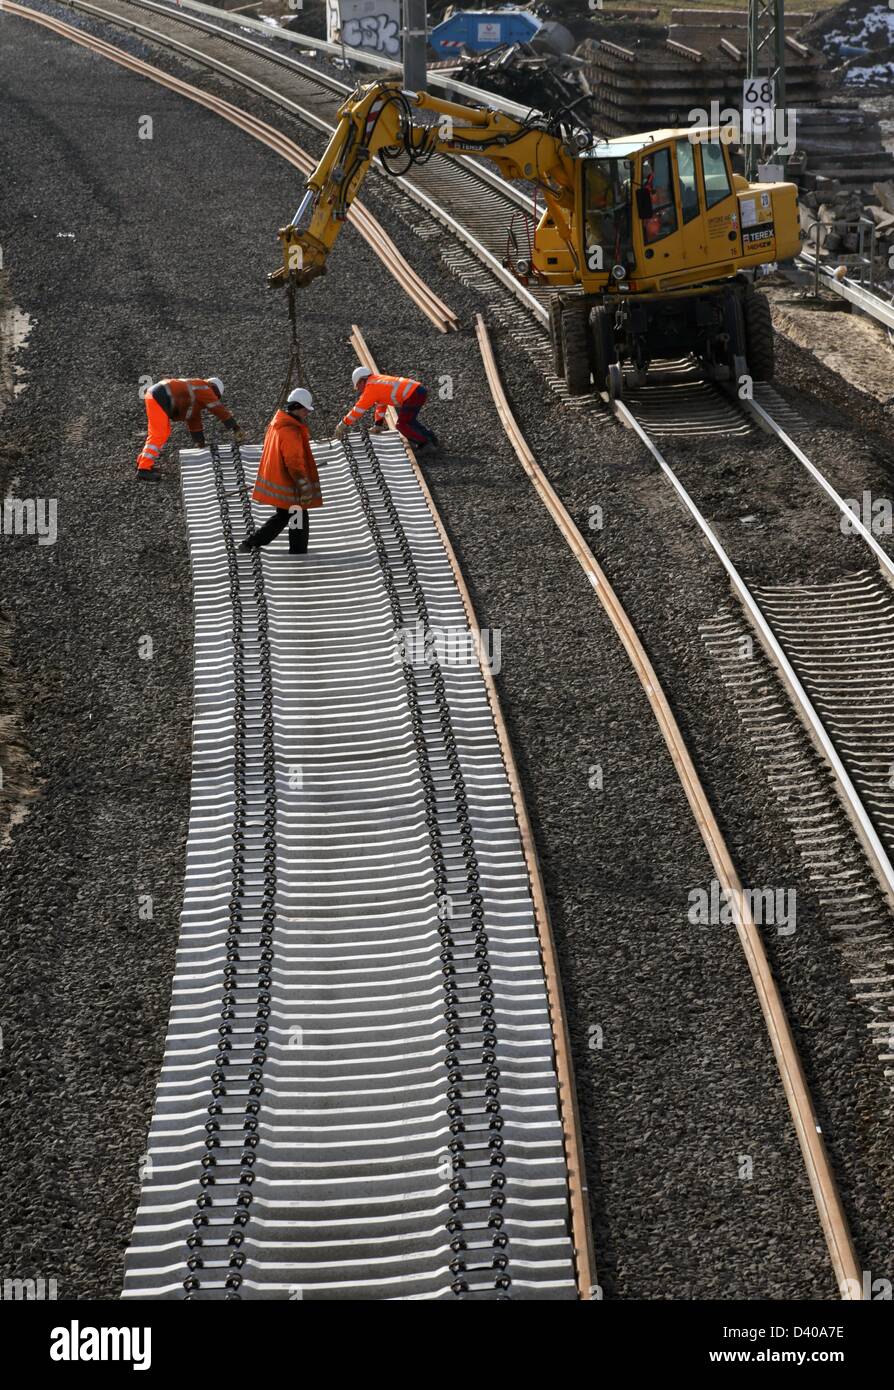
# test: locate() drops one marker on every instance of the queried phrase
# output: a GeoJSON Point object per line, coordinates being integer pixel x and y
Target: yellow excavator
{"type": "Point", "coordinates": [647, 240]}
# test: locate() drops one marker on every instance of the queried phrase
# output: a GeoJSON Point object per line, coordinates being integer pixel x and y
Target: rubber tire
{"type": "Point", "coordinates": [576, 348]}
{"type": "Point", "coordinates": [604, 351]}
{"type": "Point", "coordinates": [759, 337]}
{"type": "Point", "coordinates": [740, 347]}
{"type": "Point", "coordinates": [555, 333]}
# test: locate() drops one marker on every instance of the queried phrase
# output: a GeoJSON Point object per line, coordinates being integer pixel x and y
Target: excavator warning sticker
{"type": "Point", "coordinates": [758, 217]}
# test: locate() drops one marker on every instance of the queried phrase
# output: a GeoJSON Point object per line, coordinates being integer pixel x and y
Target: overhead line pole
{"type": "Point", "coordinates": [415, 36]}
{"type": "Point", "coordinates": [766, 58]}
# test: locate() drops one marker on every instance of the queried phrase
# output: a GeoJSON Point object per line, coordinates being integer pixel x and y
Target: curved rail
{"type": "Point", "coordinates": [294, 65]}
{"type": "Point", "coordinates": [497, 187]}
{"type": "Point", "coordinates": [373, 233]}
{"type": "Point", "coordinates": [816, 1160]}
{"type": "Point", "coordinates": [360, 56]}
{"type": "Point", "coordinates": [568, 1107]}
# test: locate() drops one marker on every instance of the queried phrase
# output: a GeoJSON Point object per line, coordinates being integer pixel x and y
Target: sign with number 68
{"type": "Point", "coordinates": [758, 91]}
{"type": "Point", "coordinates": [758, 100]}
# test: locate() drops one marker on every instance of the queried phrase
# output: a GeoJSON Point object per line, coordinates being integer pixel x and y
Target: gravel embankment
{"type": "Point", "coordinates": [157, 279]}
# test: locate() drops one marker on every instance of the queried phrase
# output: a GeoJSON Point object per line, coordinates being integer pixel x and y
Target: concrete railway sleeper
{"type": "Point", "coordinates": [498, 1260]}
{"type": "Point", "coordinates": [359, 1094]}
{"type": "Point", "coordinates": [480, 1263]}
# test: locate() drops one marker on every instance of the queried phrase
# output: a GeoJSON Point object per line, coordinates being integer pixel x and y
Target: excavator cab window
{"type": "Point", "coordinates": [658, 180]}
{"type": "Point", "coordinates": [717, 181]}
{"type": "Point", "coordinates": [689, 204]}
{"type": "Point", "coordinates": [607, 184]}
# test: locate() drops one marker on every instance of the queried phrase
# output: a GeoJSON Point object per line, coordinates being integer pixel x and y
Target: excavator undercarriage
{"type": "Point", "coordinates": [603, 343]}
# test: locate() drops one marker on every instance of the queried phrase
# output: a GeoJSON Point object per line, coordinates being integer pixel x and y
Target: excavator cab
{"type": "Point", "coordinates": [668, 233]}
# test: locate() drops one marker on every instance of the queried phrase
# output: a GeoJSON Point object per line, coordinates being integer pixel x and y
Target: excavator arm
{"type": "Point", "coordinates": [378, 119]}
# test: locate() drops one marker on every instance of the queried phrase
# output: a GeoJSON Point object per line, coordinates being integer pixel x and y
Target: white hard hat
{"type": "Point", "coordinates": [300, 397]}
{"type": "Point", "coordinates": [216, 382]}
{"type": "Point", "coordinates": [360, 374]}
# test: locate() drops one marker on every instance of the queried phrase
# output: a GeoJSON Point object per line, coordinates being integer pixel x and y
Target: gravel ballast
{"type": "Point", "coordinates": [694, 1171]}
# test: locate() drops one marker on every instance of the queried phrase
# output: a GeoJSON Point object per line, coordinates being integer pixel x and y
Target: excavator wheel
{"type": "Point", "coordinates": [759, 336]}
{"type": "Point", "coordinates": [555, 333]}
{"type": "Point", "coordinates": [604, 353]}
{"type": "Point", "coordinates": [738, 349]}
{"type": "Point", "coordinates": [576, 349]}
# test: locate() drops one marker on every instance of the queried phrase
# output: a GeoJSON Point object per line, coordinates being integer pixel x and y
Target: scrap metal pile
{"type": "Point", "coordinates": [531, 75]}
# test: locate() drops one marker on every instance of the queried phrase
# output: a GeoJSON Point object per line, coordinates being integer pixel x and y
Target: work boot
{"type": "Point", "coordinates": [150, 473]}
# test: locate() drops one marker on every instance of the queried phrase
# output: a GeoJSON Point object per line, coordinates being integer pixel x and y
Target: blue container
{"type": "Point", "coordinates": [478, 30]}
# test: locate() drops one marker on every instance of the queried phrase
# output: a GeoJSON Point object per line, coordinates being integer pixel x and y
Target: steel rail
{"type": "Point", "coordinates": [487, 257]}
{"type": "Point", "coordinates": [882, 310]}
{"type": "Point", "coordinates": [359, 216]}
{"type": "Point", "coordinates": [771, 426]}
{"type": "Point", "coordinates": [582, 1236]}
{"type": "Point", "coordinates": [866, 831]}
{"type": "Point", "coordinates": [361, 57]}
{"type": "Point", "coordinates": [284, 60]}
{"type": "Point", "coordinates": [831, 1212]}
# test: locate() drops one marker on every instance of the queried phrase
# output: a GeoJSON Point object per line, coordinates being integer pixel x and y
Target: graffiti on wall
{"type": "Point", "coordinates": [379, 32]}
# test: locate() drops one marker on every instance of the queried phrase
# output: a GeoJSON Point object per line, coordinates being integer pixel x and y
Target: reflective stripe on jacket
{"type": "Point", "coordinates": [381, 391]}
{"type": "Point", "coordinates": [287, 473]}
{"type": "Point", "coordinates": [186, 398]}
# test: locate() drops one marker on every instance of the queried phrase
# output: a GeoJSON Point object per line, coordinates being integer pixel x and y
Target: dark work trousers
{"type": "Point", "coordinates": [282, 516]}
{"type": "Point", "coordinates": [408, 422]}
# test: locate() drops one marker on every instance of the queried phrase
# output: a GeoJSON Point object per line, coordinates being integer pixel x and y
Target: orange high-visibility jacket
{"type": "Point", "coordinates": [186, 399]}
{"type": "Point", "coordinates": [381, 391]}
{"type": "Point", "coordinates": [287, 473]}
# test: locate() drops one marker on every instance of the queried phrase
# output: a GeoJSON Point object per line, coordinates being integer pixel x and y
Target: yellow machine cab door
{"type": "Point", "coordinates": [723, 239]}
{"type": "Point", "coordinates": [658, 219]}
{"type": "Point", "coordinates": [693, 221]}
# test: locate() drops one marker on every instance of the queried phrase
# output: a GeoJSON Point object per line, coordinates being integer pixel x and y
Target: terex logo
{"type": "Point", "coordinates": [77, 1343]}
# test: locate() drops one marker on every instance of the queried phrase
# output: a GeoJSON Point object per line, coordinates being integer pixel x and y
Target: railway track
{"type": "Point", "coordinates": [467, 198]}
{"type": "Point", "coordinates": [662, 410]}
{"type": "Point", "coordinates": [359, 216]}
{"type": "Point", "coordinates": [359, 1094]}
{"type": "Point", "coordinates": [816, 1161]}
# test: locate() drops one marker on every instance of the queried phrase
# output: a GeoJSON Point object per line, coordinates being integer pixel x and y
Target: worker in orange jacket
{"type": "Point", "coordinates": [406, 395]}
{"type": "Point", "coordinates": [174, 398]}
{"type": "Point", "coordinates": [287, 476]}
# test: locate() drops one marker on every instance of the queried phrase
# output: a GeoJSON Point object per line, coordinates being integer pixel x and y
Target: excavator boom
{"type": "Point", "coordinates": [378, 119]}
